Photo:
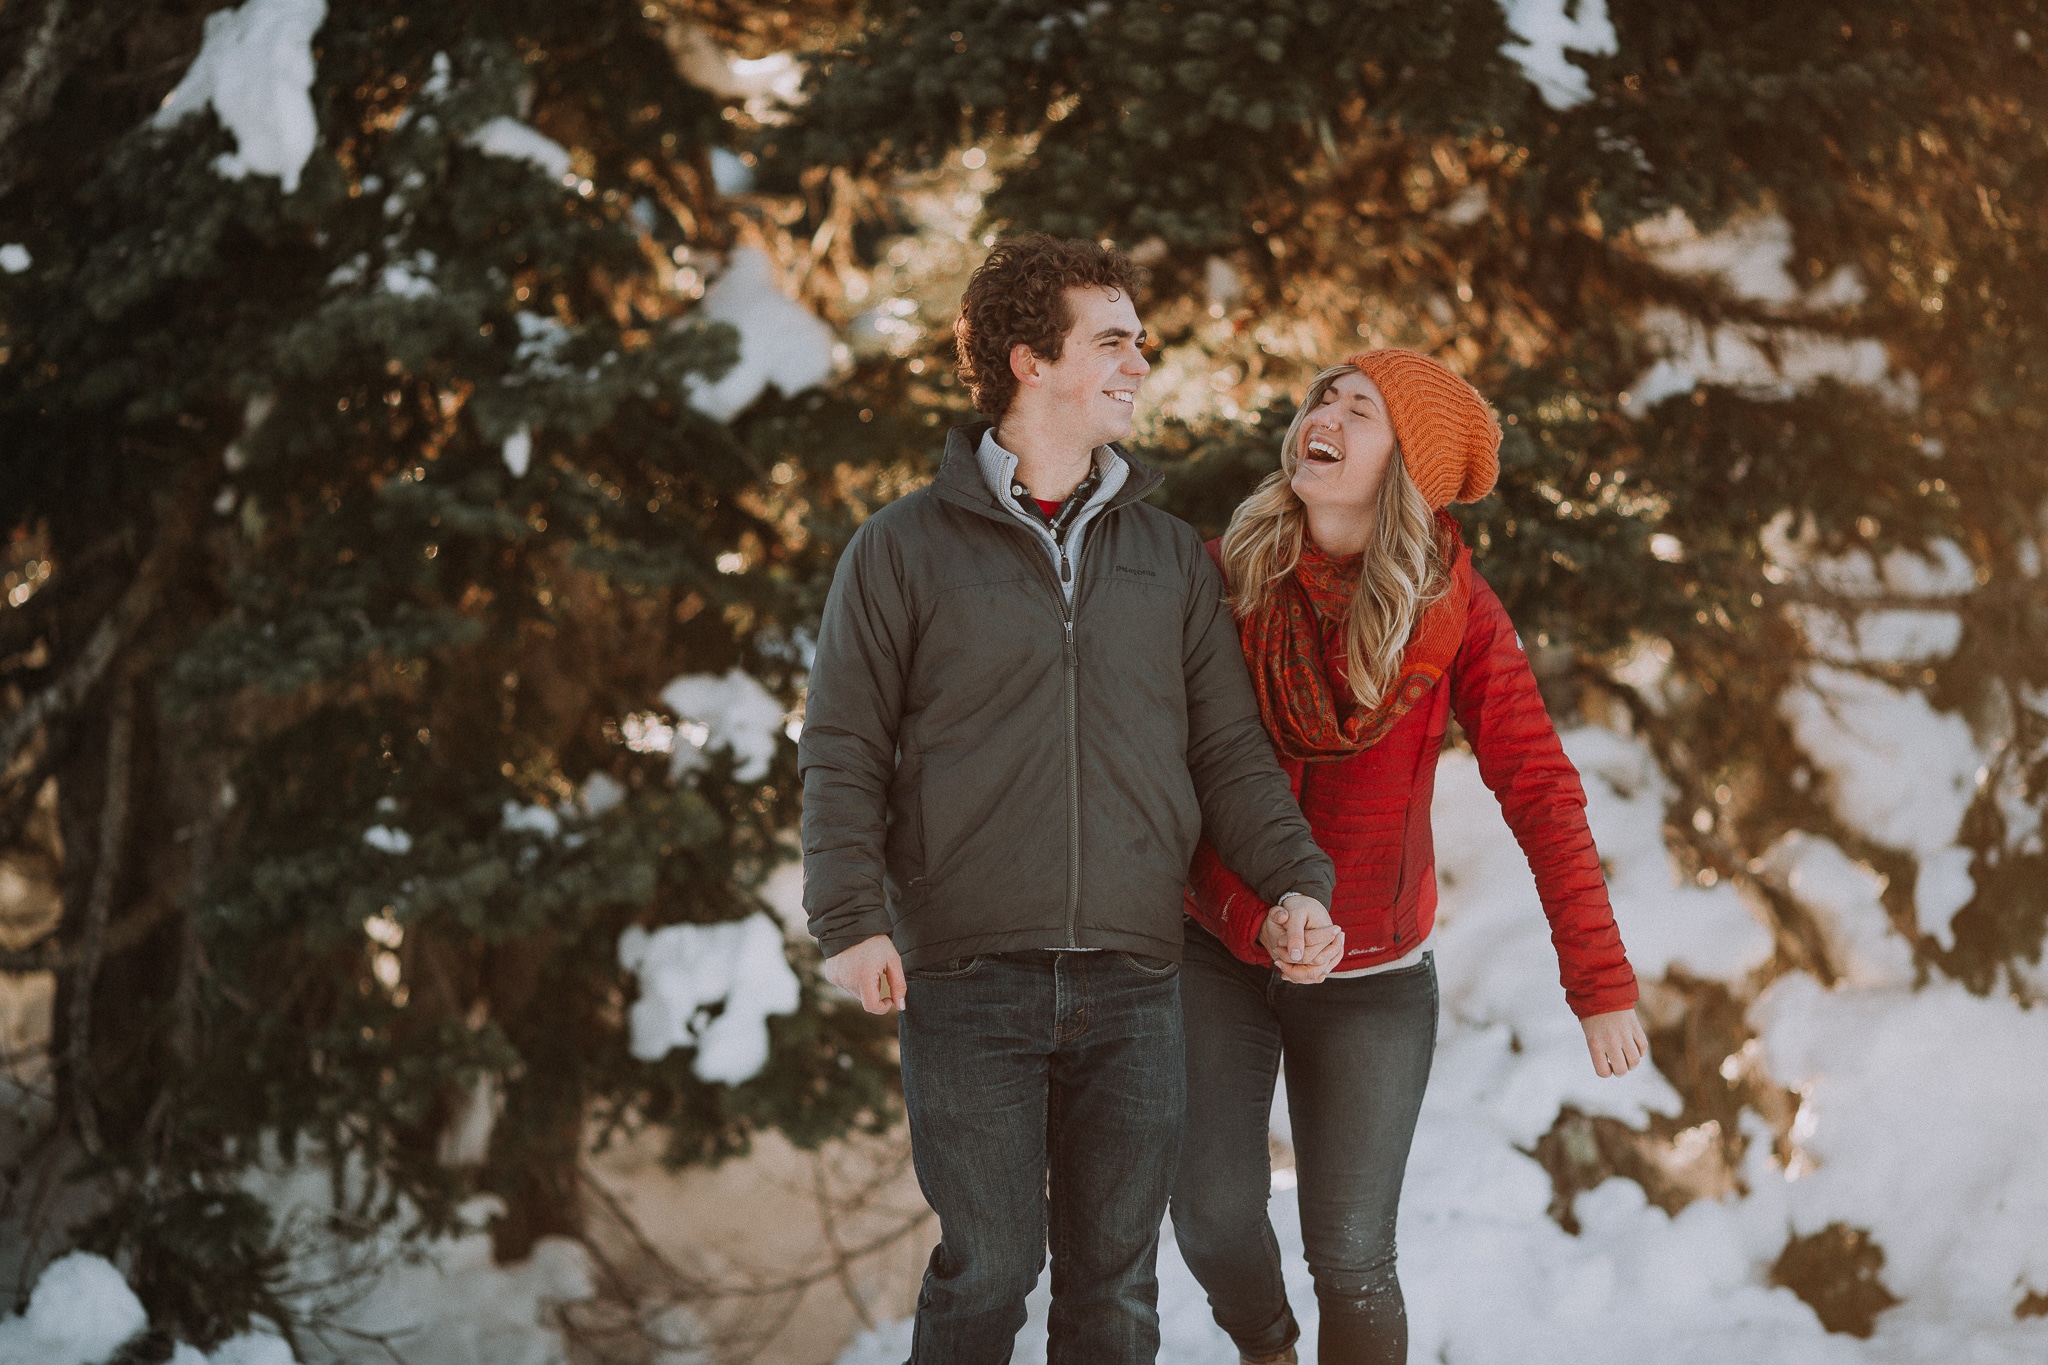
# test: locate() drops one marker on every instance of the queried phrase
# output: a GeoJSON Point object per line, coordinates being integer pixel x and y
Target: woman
{"type": "Point", "coordinates": [1365, 627]}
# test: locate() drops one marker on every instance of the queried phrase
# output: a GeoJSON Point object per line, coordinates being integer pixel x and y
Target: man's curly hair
{"type": "Point", "coordinates": [1019, 294]}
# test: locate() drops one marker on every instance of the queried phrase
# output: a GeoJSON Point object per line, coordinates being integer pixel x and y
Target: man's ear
{"type": "Point", "coordinates": [1027, 365]}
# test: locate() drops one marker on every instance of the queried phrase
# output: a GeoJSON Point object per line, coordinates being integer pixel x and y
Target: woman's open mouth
{"type": "Point", "coordinates": [1316, 450]}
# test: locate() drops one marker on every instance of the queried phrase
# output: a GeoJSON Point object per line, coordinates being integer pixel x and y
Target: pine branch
{"type": "Point", "coordinates": [51, 956]}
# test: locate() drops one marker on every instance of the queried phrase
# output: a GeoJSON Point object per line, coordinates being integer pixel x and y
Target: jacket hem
{"type": "Point", "coordinates": [975, 945]}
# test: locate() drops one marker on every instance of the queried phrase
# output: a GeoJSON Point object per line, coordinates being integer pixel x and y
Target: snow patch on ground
{"type": "Point", "coordinates": [1866, 737]}
{"type": "Point", "coordinates": [1926, 1114]}
{"type": "Point", "coordinates": [781, 342]}
{"type": "Point", "coordinates": [1843, 896]}
{"type": "Point", "coordinates": [1542, 32]}
{"type": "Point", "coordinates": [1922, 1125]}
{"type": "Point", "coordinates": [80, 1312]}
{"type": "Point", "coordinates": [255, 70]}
{"type": "Point", "coordinates": [733, 712]}
{"type": "Point", "coordinates": [686, 970]}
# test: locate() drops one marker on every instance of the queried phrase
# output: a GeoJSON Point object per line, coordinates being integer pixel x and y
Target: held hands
{"type": "Point", "coordinates": [871, 970]}
{"type": "Point", "coordinates": [1304, 943]}
{"type": "Point", "coordinates": [1616, 1042]}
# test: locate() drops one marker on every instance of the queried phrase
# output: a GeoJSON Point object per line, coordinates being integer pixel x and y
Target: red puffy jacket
{"type": "Point", "coordinates": [1370, 813]}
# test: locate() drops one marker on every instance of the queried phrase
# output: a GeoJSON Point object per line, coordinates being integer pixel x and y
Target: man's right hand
{"type": "Point", "coordinates": [871, 970]}
{"type": "Point", "coordinates": [1305, 945]}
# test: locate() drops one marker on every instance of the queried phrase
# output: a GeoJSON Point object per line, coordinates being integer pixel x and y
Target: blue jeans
{"type": "Point", "coordinates": [1045, 1093]}
{"type": "Point", "coordinates": [1357, 1055]}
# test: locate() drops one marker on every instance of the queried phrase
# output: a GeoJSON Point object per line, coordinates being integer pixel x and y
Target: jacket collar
{"type": "Point", "coordinates": [959, 479]}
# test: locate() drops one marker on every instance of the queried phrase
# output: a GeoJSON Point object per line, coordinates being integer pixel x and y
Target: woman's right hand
{"type": "Point", "coordinates": [1304, 944]}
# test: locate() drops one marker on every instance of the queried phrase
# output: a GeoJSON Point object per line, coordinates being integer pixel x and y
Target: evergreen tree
{"type": "Point", "coordinates": [1305, 179]}
{"type": "Point", "coordinates": [360, 512]}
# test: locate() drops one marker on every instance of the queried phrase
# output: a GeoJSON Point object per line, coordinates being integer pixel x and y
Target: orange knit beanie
{"type": "Point", "coordinates": [1449, 440]}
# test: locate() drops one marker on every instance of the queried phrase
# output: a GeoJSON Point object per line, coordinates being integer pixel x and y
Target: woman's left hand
{"type": "Point", "coordinates": [1616, 1041]}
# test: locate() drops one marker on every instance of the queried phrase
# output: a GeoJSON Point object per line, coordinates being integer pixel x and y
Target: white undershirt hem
{"type": "Point", "coordinates": [1409, 959]}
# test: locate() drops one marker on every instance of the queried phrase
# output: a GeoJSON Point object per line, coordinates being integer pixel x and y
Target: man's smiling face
{"type": "Point", "coordinates": [1093, 386]}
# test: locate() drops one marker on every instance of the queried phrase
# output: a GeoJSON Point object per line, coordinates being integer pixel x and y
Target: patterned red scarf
{"type": "Point", "coordinates": [1295, 647]}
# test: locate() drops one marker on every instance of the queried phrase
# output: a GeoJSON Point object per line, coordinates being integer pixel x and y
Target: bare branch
{"type": "Point", "coordinates": [54, 47]}
{"type": "Point", "coordinates": [50, 956]}
{"type": "Point", "coordinates": [25, 94]}
{"type": "Point", "coordinates": [106, 875]}
{"type": "Point", "coordinates": [79, 676]}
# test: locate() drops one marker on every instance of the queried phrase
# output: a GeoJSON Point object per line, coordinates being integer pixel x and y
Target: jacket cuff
{"type": "Point", "coordinates": [846, 933]}
{"type": "Point", "coordinates": [1585, 1005]}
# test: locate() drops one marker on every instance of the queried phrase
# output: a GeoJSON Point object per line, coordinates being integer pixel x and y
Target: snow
{"type": "Point", "coordinates": [777, 77]}
{"type": "Point", "coordinates": [251, 1348]}
{"type": "Point", "coordinates": [685, 969]}
{"type": "Point", "coordinates": [1731, 355]}
{"type": "Point", "coordinates": [411, 278]}
{"type": "Point", "coordinates": [507, 137]}
{"type": "Point", "coordinates": [601, 794]}
{"type": "Point", "coordinates": [80, 1312]}
{"type": "Point", "coordinates": [1542, 31]}
{"type": "Point", "coordinates": [386, 839]}
{"type": "Point", "coordinates": [1920, 1121]}
{"type": "Point", "coordinates": [733, 712]}
{"type": "Point", "coordinates": [1750, 256]}
{"type": "Point", "coordinates": [518, 819]}
{"type": "Point", "coordinates": [1843, 896]}
{"type": "Point", "coordinates": [14, 258]}
{"type": "Point", "coordinates": [1942, 886]}
{"type": "Point", "coordinates": [1863, 736]}
{"type": "Point", "coordinates": [781, 342]}
{"type": "Point", "coordinates": [518, 451]}
{"type": "Point", "coordinates": [1901, 635]}
{"type": "Point", "coordinates": [255, 70]}
{"type": "Point", "coordinates": [730, 174]}
{"type": "Point", "coordinates": [441, 1302]}
{"type": "Point", "coordinates": [1927, 1110]}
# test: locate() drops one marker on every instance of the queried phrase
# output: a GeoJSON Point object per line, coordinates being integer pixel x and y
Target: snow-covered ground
{"type": "Point", "coordinates": [1921, 1121]}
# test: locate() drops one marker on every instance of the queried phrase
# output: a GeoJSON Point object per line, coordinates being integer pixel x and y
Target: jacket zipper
{"type": "Point", "coordinates": [1073, 787]}
{"type": "Point", "coordinates": [1073, 737]}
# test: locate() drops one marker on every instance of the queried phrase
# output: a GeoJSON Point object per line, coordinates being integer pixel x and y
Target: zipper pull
{"type": "Point", "coordinates": [1073, 655]}
{"type": "Point", "coordinates": [1066, 570]}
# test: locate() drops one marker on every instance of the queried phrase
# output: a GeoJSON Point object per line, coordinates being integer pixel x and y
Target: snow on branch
{"type": "Point", "coordinates": [508, 137]}
{"type": "Point", "coordinates": [781, 342]}
{"type": "Point", "coordinates": [255, 70]}
{"type": "Point", "coordinates": [732, 712]}
{"type": "Point", "coordinates": [1542, 33]}
{"type": "Point", "coordinates": [686, 969]}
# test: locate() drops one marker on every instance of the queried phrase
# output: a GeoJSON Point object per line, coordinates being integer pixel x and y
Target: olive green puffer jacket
{"type": "Point", "coordinates": [986, 769]}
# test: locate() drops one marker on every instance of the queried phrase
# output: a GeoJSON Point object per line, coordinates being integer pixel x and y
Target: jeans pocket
{"type": "Point", "coordinates": [1156, 967]}
{"type": "Point", "coordinates": [952, 969]}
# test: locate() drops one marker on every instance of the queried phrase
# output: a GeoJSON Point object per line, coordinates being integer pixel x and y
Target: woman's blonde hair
{"type": "Point", "coordinates": [1403, 573]}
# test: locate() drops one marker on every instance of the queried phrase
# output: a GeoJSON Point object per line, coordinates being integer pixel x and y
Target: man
{"type": "Point", "coordinates": [1028, 702]}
